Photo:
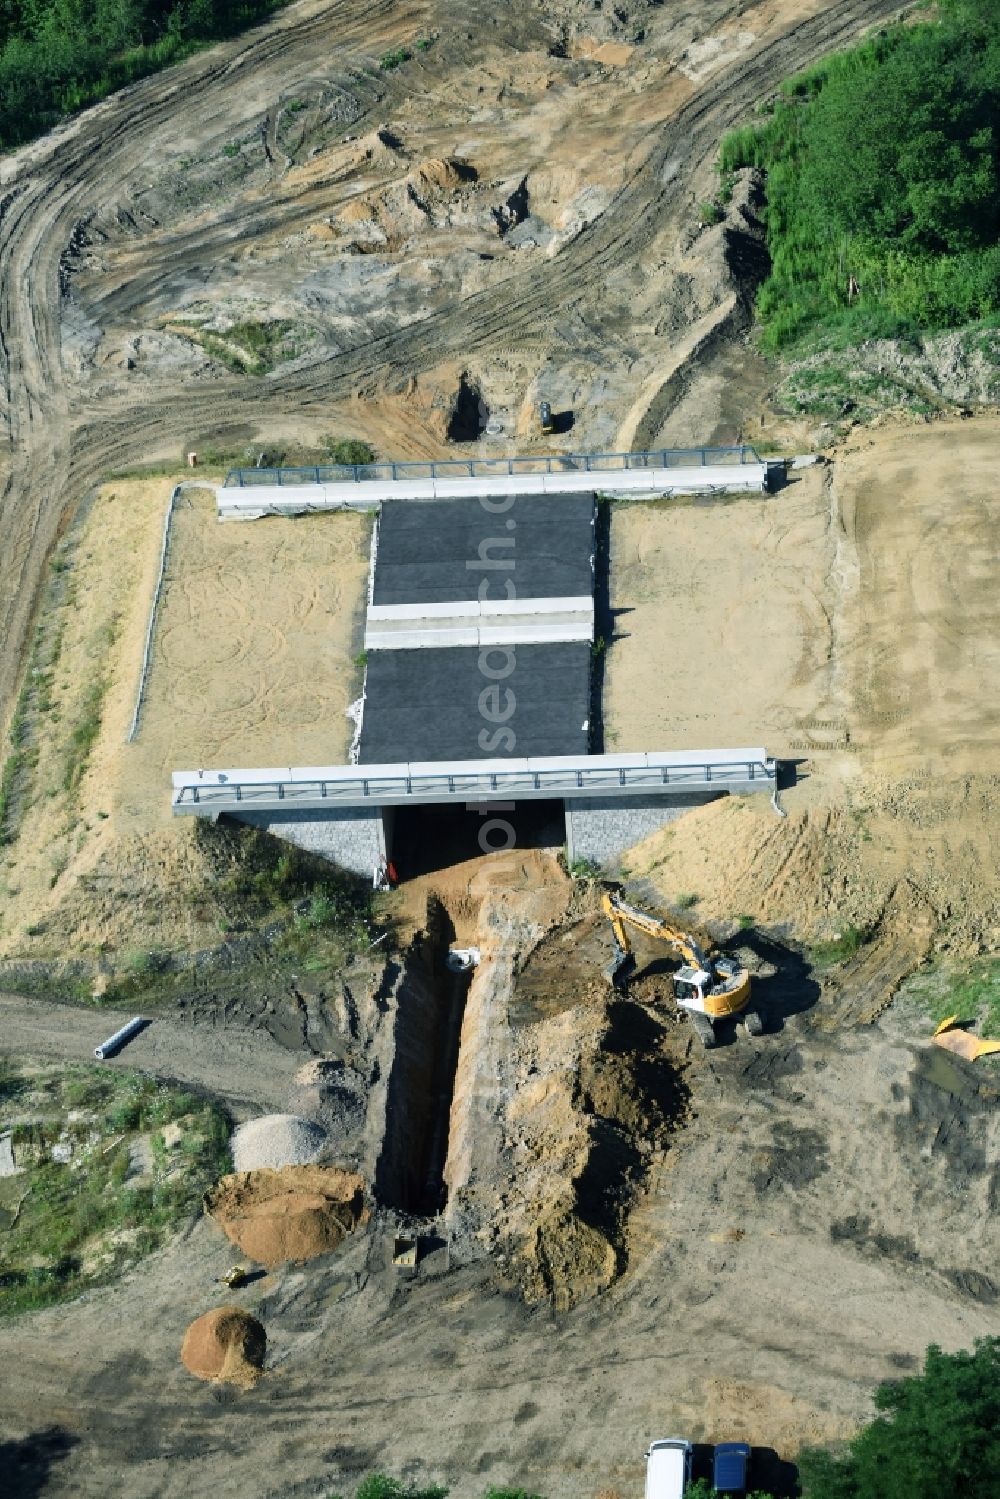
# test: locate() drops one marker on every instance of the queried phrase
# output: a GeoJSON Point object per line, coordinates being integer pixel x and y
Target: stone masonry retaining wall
{"type": "Point", "coordinates": [350, 836]}
{"type": "Point", "coordinates": [602, 828]}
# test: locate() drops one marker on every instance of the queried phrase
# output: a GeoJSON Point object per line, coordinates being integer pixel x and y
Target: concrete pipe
{"type": "Point", "coordinates": [120, 1038]}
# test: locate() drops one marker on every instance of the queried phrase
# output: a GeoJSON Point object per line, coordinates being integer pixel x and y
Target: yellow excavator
{"type": "Point", "coordinates": [706, 988]}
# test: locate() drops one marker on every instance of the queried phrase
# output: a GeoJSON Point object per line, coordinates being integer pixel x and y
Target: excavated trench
{"type": "Point", "coordinates": [469, 412]}
{"type": "Point", "coordinates": [409, 1174]}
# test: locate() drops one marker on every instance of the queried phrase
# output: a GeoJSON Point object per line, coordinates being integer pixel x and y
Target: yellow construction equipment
{"type": "Point", "coordinates": [706, 988]}
{"type": "Point", "coordinates": [951, 1037]}
{"type": "Point", "coordinates": [235, 1277]}
{"type": "Point", "coordinates": [545, 420]}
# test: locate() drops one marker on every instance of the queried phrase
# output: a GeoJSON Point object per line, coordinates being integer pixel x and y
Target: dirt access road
{"type": "Point", "coordinates": [613, 296]}
{"type": "Point", "coordinates": [248, 1070]}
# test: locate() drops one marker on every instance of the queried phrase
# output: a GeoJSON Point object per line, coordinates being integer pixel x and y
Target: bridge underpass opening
{"type": "Point", "coordinates": [421, 839]}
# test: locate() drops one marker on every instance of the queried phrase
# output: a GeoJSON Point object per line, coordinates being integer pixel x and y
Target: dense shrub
{"type": "Point", "coordinates": [883, 182]}
{"type": "Point", "coordinates": [58, 55]}
{"type": "Point", "coordinates": [937, 1434]}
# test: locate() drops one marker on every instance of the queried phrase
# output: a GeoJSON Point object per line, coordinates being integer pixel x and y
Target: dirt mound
{"type": "Point", "coordinates": [295, 1213]}
{"type": "Point", "coordinates": [225, 1344]}
{"type": "Point", "coordinates": [441, 174]}
{"type": "Point", "coordinates": [276, 1140]}
{"type": "Point", "coordinates": [735, 856]}
{"type": "Point", "coordinates": [600, 1091]}
{"type": "Point", "coordinates": [566, 1259]}
{"type": "Point", "coordinates": [358, 211]}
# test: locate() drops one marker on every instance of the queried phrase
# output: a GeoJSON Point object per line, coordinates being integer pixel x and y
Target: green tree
{"type": "Point", "coordinates": [702, 1489]}
{"type": "Point", "coordinates": [883, 183]}
{"type": "Point", "coordinates": [937, 1436]}
{"type": "Point", "coordinates": [380, 1486]}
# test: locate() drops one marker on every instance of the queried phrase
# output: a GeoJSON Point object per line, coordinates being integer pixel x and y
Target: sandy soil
{"type": "Point", "coordinates": [254, 649]}
{"type": "Point", "coordinates": [721, 639]}
{"type": "Point", "coordinates": [850, 624]}
{"type": "Point", "coordinates": [775, 1272]}
{"type": "Point", "coordinates": [252, 659]}
{"type": "Point", "coordinates": [915, 654]}
{"type": "Point", "coordinates": [765, 1266]}
{"type": "Point", "coordinates": [853, 612]}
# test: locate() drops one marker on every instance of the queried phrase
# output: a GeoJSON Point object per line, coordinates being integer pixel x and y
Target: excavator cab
{"type": "Point", "coordinates": [690, 986]}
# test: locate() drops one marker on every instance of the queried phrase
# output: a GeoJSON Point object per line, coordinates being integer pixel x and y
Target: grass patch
{"type": "Point", "coordinates": [247, 348]}
{"type": "Point", "coordinates": [16, 763]}
{"type": "Point", "coordinates": [972, 995]}
{"type": "Point", "coordinates": [390, 60]}
{"type": "Point", "coordinates": [686, 901]}
{"type": "Point", "coordinates": [59, 56]}
{"type": "Point", "coordinates": [834, 388]}
{"type": "Point", "coordinates": [35, 699]}
{"type": "Point", "coordinates": [259, 877]}
{"type": "Point", "coordinates": [83, 735]}
{"type": "Point", "coordinates": [78, 1221]}
{"type": "Point", "coordinates": [833, 950]}
{"type": "Point", "coordinates": [348, 450]}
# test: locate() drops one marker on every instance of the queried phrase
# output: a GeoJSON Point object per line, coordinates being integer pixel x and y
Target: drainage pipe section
{"type": "Point", "coordinates": [120, 1038]}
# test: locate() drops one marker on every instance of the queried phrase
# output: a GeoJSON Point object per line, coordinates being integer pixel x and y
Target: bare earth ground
{"type": "Point", "coordinates": [849, 622]}
{"type": "Point", "coordinates": [854, 612]}
{"type": "Point", "coordinates": [254, 645]}
{"type": "Point", "coordinates": [776, 1271]}
{"type": "Point", "coordinates": [197, 194]}
{"type": "Point", "coordinates": [253, 653]}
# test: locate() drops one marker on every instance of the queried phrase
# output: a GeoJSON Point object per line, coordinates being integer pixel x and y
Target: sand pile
{"type": "Point", "coordinates": [296, 1213]}
{"type": "Point", "coordinates": [226, 1344]}
{"type": "Point", "coordinates": [277, 1140]}
{"type": "Point", "coordinates": [441, 174]}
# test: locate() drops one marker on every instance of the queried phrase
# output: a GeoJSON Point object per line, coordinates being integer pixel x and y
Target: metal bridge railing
{"type": "Point", "coordinates": [485, 468]}
{"type": "Point", "coordinates": [355, 786]}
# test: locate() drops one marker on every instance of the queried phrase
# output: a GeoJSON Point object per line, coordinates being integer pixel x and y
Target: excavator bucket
{"type": "Point", "coordinates": [620, 969]}
{"type": "Point", "coordinates": [951, 1038]}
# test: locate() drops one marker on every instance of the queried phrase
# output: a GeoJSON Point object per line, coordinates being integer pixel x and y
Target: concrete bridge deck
{"type": "Point", "coordinates": [252, 502]}
{"type": "Point", "coordinates": [207, 793]}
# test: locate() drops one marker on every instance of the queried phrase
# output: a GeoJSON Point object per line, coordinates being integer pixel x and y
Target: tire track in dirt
{"type": "Point", "coordinates": [58, 444]}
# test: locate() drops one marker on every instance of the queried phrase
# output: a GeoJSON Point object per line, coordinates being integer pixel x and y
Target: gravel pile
{"type": "Point", "coordinates": [276, 1140]}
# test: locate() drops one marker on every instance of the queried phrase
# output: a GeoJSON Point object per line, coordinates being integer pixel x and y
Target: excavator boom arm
{"type": "Point", "coordinates": [620, 913]}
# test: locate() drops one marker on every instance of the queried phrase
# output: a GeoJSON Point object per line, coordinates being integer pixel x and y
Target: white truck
{"type": "Point", "coordinates": [668, 1468]}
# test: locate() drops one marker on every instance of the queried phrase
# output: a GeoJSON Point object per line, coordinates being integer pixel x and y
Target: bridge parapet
{"type": "Point", "coordinates": [207, 793]}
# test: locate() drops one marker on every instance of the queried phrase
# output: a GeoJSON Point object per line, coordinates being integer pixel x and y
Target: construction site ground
{"type": "Point", "coordinates": [776, 1272]}
{"type": "Point", "coordinates": [640, 1238]}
